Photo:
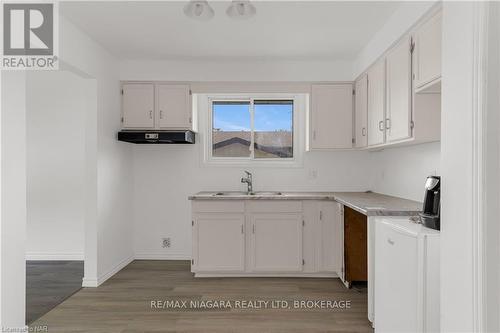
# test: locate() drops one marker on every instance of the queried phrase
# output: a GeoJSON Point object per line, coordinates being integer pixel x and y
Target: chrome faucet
{"type": "Point", "coordinates": [248, 180]}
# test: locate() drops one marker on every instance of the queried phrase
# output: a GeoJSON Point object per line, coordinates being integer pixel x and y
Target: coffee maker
{"type": "Point", "coordinates": [430, 215]}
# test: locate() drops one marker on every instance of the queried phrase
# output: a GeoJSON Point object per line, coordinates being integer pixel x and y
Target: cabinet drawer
{"type": "Point", "coordinates": [275, 206]}
{"type": "Point", "coordinates": [216, 206]}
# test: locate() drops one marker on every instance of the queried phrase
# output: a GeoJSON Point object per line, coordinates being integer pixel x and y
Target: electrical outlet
{"type": "Point", "coordinates": [165, 242]}
{"type": "Point", "coordinates": [313, 174]}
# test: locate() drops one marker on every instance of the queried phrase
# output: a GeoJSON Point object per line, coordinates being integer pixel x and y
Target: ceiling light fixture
{"type": "Point", "coordinates": [199, 10]}
{"type": "Point", "coordinates": [241, 9]}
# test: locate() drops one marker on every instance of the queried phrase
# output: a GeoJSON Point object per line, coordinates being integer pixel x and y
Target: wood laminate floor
{"type": "Point", "coordinates": [123, 304]}
{"type": "Point", "coordinates": [48, 283]}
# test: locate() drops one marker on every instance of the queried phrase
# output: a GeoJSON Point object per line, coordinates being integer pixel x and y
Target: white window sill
{"type": "Point", "coordinates": [289, 163]}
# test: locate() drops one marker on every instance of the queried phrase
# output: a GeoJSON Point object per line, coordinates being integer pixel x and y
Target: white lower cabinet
{"type": "Point", "coordinates": [266, 238]}
{"type": "Point", "coordinates": [406, 277]}
{"type": "Point", "coordinates": [276, 244]}
{"type": "Point", "coordinates": [219, 242]}
{"type": "Point", "coordinates": [331, 242]}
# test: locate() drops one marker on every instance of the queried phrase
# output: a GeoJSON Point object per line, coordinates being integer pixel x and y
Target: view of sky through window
{"type": "Point", "coordinates": [268, 117]}
{"type": "Point", "coordinates": [232, 129]}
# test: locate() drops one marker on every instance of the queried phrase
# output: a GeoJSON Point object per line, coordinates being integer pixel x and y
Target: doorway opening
{"type": "Point", "coordinates": [56, 110]}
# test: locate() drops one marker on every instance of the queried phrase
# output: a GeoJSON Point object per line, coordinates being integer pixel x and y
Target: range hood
{"type": "Point", "coordinates": [157, 137]}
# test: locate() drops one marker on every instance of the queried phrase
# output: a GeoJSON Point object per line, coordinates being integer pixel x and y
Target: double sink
{"type": "Point", "coordinates": [246, 194]}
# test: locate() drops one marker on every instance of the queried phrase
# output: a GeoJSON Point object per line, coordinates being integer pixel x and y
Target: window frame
{"type": "Point", "coordinates": [299, 105]}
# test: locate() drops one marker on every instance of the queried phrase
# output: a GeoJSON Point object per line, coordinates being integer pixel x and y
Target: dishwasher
{"type": "Point", "coordinates": [406, 276]}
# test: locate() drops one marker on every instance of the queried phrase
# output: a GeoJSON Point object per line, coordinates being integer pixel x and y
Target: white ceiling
{"type": "Point", "coordinates": [325, 30]}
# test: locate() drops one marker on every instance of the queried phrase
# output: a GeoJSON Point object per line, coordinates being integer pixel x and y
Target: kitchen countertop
{"type": "Point", "coordinates": [262, 195]}
{"type": "Point", "coordinates": [376, 204]}
{"type": "Point", "coordinates": [367, 203]}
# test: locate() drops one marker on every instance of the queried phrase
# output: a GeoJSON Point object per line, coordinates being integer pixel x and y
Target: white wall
{"type": "Point", "coordinates": [260, 70]}
{"type": "Point", "coordinates": [55, 165]}
{"type": "Point", "coordinates": [109, 226]}
{"type": "Point", "coordinates": [457, 160]}
{"type": "Point", "coordinates": [13, 200]}
{"type": "Point", "coordinates": [402, 171]}
{"type": "Point", "coordinates": [492, 175]}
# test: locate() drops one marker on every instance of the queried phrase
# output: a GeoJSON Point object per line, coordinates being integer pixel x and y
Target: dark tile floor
{"type": "Point", "coordinates": [49, 283]}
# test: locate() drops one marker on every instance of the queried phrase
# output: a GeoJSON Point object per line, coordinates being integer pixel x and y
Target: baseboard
{"type": "Point", "coordinates": [25, 328]}
{"type": "Point", "coordinates": [89, 282]}
{"type": "Point", "coordinates": [96, 282]}
{"type": "Point", "coordinates": [242, 275]}
{"type": "Point", "coordinates": [161, 256]}
{"type": "Point", "coordinates": [54, 256]}
{"type": "Point", "coordinates": [102, 278]}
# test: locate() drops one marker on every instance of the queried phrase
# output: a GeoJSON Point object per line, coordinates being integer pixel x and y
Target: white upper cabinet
{"type": "Point", "coordinates": [138, 106]}
{"type": "Point", "coordinates": [361, 112]}
{"type": "Point", "coordinates": [398, 112]}
{"type": "Point", "coordinates": [156, 106]}
{"type": "Point", "coordinates": [174, 107]}
{"type": "Point", "coordinates": [331, 117]}
{"type": "Point", "coordinates": [428, 52]}
{"type": "Point", "coordinates": [376, 103]}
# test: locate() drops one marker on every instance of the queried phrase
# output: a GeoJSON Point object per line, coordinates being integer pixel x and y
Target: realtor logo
{"type": "Point", "coordinates": [28, 37]}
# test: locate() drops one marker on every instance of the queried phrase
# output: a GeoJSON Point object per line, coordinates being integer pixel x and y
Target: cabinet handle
{"type": "Point", "coordinates": [190, 120]}
{"type": "Point", "coordinates": [388, 123]}
{"type": "Point", "coordinates": [150, 114]}
{"type": "Point", "coordinates": [161, 114]}
{"type": "Point", "coordinates": [363, 131]}
{"type": "Point", "coordinates": [253, 228]}
{"type": "Point", "coordinates": [390, 241]}
{"type": "Point", "coordinates": [314, 135]}
{"type": "Point", "coordinates": [381, 125]}
{"type": "Point", "coordinates": [242, 229]}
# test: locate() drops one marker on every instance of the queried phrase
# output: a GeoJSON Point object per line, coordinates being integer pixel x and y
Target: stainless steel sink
{"type": "Point", "coordinates": [221, 194]}
{"type": "Point", "coordinates": [266, 193]}
{"type": "Point", "coordinates": [259, 193]}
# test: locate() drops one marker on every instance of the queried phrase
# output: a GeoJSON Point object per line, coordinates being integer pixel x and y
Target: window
{"type": "Point", "coordinates": [254, 129]}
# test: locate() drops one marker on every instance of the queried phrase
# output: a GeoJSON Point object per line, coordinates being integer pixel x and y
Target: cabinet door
{"type": "Point", "coordinates": [218, 242]}
{"type": "Point", "coordinates": [428, 51]}
{"type": "Point", "coordinates": [138, 105]}
{"type": "Point", "coordinates": [396, 255]}
{"type": "Point", "coordinates": [174, 107]}
{"type": "Point", "coordinates": [330, 228]}
{"type": "Point", "coordinates": [331, 116]}
{"type": "Point", "coordinates": [376, 104]}
{"type": "Point", "coordinates": [276, 242]}
{"type": "Point", "coordinates": [398, 113]}
{"type": "Point", "coordinates": [361, 113]}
